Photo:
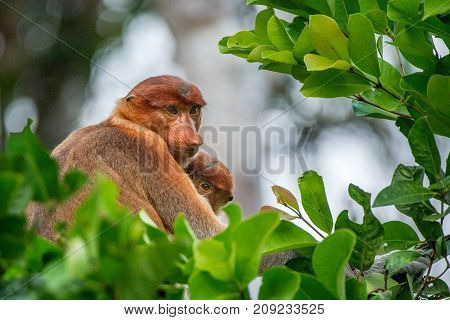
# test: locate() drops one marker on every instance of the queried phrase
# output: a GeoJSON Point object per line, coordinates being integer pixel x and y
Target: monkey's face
{"type": "Point", "coordinates": [212, 179]}
{"type": "Point", "coordinates": [170, 107]}
{"type": "Point", "coordinates": [216, 196]}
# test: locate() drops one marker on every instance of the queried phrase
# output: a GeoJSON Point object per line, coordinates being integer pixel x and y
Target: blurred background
{"type": "Point", "coordinates": [64, 63]}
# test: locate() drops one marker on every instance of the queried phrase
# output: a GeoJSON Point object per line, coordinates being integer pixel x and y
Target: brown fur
{"type": "Point", "coordinates": [205, 169]}
{"type": "Point", "coordinates": [138, 147]}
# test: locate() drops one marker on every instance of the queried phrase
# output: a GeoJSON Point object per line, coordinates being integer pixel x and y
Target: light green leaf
{"type": "Point", "coordinates": [261, 21]}
{"type": "Point", "coordinates": [330, 259]}
{"type": "Point", "coordinates": [256, 54]}
{"type": "Point", "coordinates": [328, 39]}
{"type": "Point", "coordinates": [435, 7]}
{"type": "Point", "coordinates": [399, 236]}
{"type": "Point", "coordinates": [202, 286]}
{"type": "Point", "coordinates": [314, 200]}
{"type": "Point", "coordinates": [304, 44]}
{"type": "Point", "coordinates": [361, 44]}
{"type": "Point", "coordinates": [314, 62]}
{"type": "Point", "coordinates": [279, 283]}
{"type": "Point", "coordinates": [285, 197]}
{"type": "Point", "coordinates": [234, 213]}
{"type": "Point", "coordinates": [212, 256]}
{"type": "Point", "coordinates": [243, 40]}
{"type": "Point", "coordinates": [333, 83]}
{"type": "Point", "coordinates": [249, 238]}
{"type": "Point", "coordinates": [279, 56]}
{"type": "Point", "coordinates": [402, 193]}
{"type": "Point", "coordinates": [287, 236]}
{"type": "Point", "coordinates": [278, 35]}
{"type": "Point", "coordinates": [367, 5]}
{"type": "Point", "coordinates": [424, 148]}
{"type": "Point", "coordinates": [369, 234]}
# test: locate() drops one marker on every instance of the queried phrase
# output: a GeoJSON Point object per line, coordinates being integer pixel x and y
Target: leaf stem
{"type": "Point", "coordinates": [300, 216]}
{"type": "Point", "coordinates": [361, 98]}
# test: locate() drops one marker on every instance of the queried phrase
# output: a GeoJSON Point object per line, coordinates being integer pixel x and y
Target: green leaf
{"type": "Point", "coordinates": [361, 44]}
{"type": "Point", "coordinates": [202, 286]}
{"type": "Point", "coordinates": [285, 197]}
{"type": "Point", "coordinates": [234, 213]}
{"type": "Point", "coordinates": [278, 35]}
{"type": "Point", "coordinates": [362, 109]}
{"type": "Point", "coordinates": [386, 101]}
{"type": "Point", "coordinates": [249, 238]}
{"type": "Point", "coordinates": [279, 56]}
{"type": "Point", "coordinates": [287, 236]}
{"type": "Point", "coordinates": [399, 236]}
{"type": "Point", "coordinates": [256, 54]}
{"type": "Point", "coordinates": [390, 77]}
{"type": "Point", "coordinates": [379, 20]}
{"type": "Point", "coordinates": [213, 257]}
{"type": "Point", "coordinates": [328, 39]}
{"type": "Point", "coordinates": [367, 5]}
{"type": "Point", "coordinates": [182, 230]}
{"type": "Point", "coordinates": [424, 148]}
{"type": "Point", "coordinates": [402, 193]}
{"type": "Point", "coordinates": [33, 160]}
{"type": "Point", "coordinates": [333, 83]}
{"type": "Point", "coordinates": [314, 62]}
{"type": "Point", "coordinates": [14, 195]}
{"type": "Point", "coordinates": [376, 281]}
{"type": "Point", "coordinates": [312, 289]}
{"type": "Point", "coordinates": [435, 7]}
{"type": "Point", "coordinates": [416, 48]}
{"type": "Point", "coordinates": [283, 215]}
{"type": "Point", "coordinates": [438, 92]}
{"type": "Point", "coordinates": [301, 8]}
{"type": "Point", "coordinates": [399, 259]}
{"type": "Point", "coordinates": [369, 234]}
{"type": "Point", "coordinates": [261, 21]}
{"type": "Point", "coordinates": [239, 52]}
{"type": "Point", "coordinates": [314, 200]}
{"type": "Point", "coordinates": [279, 283]}
{"type": "Point", "coordinates": [243, 40]}
{"type": "Point", "coordinates": [355, 289]}
{"type": "Point", "coordinates": [303, 45]}
{"type": "Point", "coordinates": [330, 259]}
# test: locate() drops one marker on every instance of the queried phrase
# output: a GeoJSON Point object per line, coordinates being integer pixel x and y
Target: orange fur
{"type": "Point", "coordinates": [140, 146]}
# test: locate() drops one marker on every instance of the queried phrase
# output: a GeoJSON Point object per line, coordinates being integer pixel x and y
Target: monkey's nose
{"type": "Point", "coordinates": [230, 198]}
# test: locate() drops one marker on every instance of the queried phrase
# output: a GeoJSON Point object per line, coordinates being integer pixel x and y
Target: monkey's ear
{"type": "Point", "coordinates": [129, 98]}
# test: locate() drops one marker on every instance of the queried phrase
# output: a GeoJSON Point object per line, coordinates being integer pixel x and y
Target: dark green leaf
{"type": "Point", "coordinates": [312, 289]}
{"type": "Point", "coordinates": [399, 236]}
{"type": "Point", "coordinates": [402, 193]}
{"type": "Point", "coordinates": [204, 287]}
{"type": "Point", "coordinates": [424, 149]}
{"type": "Point", "coordinates": [399, 259]}
{"type": "Point", "coordinates": [369, 234]}
{"type": "Point", "coordinates": [355, 289]}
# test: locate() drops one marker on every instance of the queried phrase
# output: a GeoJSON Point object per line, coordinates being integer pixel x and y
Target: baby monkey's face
{"type": "Point", "coordinates": [212, 179]}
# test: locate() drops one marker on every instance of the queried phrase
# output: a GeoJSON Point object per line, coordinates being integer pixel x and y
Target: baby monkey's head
{"type": "Point", "coordinates": [211, 178]}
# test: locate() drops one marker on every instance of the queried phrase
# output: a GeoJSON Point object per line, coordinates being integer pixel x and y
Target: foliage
{"type": "Point", "coordinates": [336, 49]}
{"type": "Point", "coordinates": [110, 253]}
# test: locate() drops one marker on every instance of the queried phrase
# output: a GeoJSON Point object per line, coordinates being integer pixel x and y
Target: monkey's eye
{"type": "Point", "coordinates": [205, 186]}
{"type": "Point", "coordinates": [191, 175]}
{"type": "Point", "coordinates": [172, 110]}
{"type": "Point", "coordinates": [194, 110]}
